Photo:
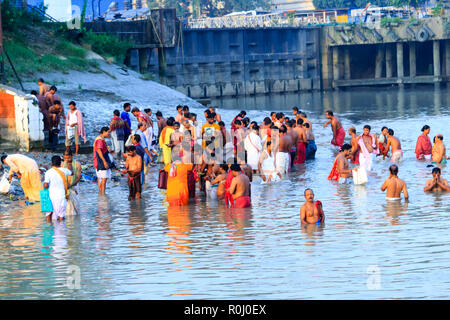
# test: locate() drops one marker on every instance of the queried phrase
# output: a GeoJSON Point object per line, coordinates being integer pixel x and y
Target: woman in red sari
{"type": "Point", "coordinates": [424, 147]}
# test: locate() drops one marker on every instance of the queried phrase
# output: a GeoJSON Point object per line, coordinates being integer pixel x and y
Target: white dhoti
{"type": "Point", "coordinates": [365, 160]}
{"type": "Point", "coordinates": [272, 174]}
{"type": "Point", "coordinates": [397, 156]}
{"type": "Point", "coordinates": [59, 207]}
{"type": "Point", "coordinates": [282, 162]}
{"type": "Point", "coordinates": [253, 159]}
{"type": "Point", "coordinates": [73, 204]}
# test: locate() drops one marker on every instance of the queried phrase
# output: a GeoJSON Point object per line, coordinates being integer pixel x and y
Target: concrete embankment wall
{"type": "Point", "coordinates": [217, 63]}
{"type": "Point", "coordinates": [21, 125]}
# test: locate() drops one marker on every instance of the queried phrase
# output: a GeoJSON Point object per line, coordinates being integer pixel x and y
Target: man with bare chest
{"type": "Point", "coordinates": [395, 145]}
{"type": "Point", "coordinates": [336, 127]}
{"type": "Point", "coordinates": [301, 142]}
{"type": "Point", "coordinates": [311, 212]}
{"type": "Point", "coordinates": [367, 143]}
{"type": "Point", "coordinates": [282, 158]}
{"type": "Point", "coordinates": [394, 185]}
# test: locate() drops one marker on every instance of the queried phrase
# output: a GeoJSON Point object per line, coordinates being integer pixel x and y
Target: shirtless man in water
{"type": "Point", "coordinates": [311, 211]}
{"type": "Point", "coordinates": [342, 165]}
{"type": "Point", "coordinates": [394, 185]}
{"type": "Point", "coordinates": [437, 183]}
{"type": "Point", "coordinates": [336, 127]}
{"type": "Point", "coordinates": [285, 145]}
{"type": "Point", "coordinates": [239, 188]}
{"type": "Point", "coordinates": [219, 180]}
{"type": "Point", "coordinates": [395, 145]}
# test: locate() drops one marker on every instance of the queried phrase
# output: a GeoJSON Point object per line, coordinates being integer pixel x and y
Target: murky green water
{"type": "Point", "coordinates": [368, 248]}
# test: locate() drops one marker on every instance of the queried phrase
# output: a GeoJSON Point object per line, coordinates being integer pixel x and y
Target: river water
{"type": "Point", "coordinates": [368, 248]}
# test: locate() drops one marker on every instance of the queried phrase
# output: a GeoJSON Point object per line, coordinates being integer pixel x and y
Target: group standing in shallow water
{"type": "Point", "coordinates": [219, 162]}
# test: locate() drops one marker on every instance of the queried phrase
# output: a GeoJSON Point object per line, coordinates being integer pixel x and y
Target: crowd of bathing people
{"type": "Point", "coordinates": [217, 160]}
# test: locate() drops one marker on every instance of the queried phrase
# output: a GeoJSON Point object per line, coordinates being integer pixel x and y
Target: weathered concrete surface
{"type": "Point", "coordinates": [21, 125]}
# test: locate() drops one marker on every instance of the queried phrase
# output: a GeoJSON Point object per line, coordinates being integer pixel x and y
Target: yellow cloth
{"type": "Point", "coordinates": [164, 139]}
{"type": "Point", "coordinates": [209, 133]}
{"type": "Point", "coordinates": [177, 187]}
{"type": "Point", "coordinates": [30, 175]}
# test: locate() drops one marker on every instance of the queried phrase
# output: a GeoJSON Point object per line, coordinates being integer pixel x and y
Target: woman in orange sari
{"type": "Point", "coordinates": [177, 183]}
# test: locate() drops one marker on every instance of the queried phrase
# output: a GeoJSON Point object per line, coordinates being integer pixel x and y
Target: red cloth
{"type": "Point", "coordinates": [191, 183]}
{"type": "Point", "coordinates": [301, 154]}
{"type": "Point", "coordinates": [228, 196]}
{"type": "Point", "coordinates": [99, 143]}
{"type": "Point", "coordinates": [355, 158]}
{"type": "Point", "coordinates": [334, 174]}
{"type": "Point", "coordinates": [423, 146]}
{"type": "Point", "coordinates": [340, 136]}
{"type": "Point", "coordinates": [319, 208]}
{"type": "Point", "coordinates": [242, 202]}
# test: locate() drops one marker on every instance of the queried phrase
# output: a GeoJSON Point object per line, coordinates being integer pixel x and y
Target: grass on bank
{"type": "Point", "coordinates": [36, 47]}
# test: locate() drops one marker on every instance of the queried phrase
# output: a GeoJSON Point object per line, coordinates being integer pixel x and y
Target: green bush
{"type": "Point", "coordinates": [14, 20]}
{"type": "Point", "coordinates": [107, 45]}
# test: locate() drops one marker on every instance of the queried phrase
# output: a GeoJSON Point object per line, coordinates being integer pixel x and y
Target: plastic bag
{"type": "Point", "coordinates": [46, 202]}
{"type": "Point", "coordinates": [359, 176]}
{"type": "Point", "coordinates": [4, 184]}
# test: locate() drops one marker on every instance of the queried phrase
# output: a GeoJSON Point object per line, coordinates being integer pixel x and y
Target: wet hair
{"type": "Point", "coordinates": [300, 121]}
{"type": "Point", "coordinates": [246, 121]}
{"type": "Point", "coordinates": [235, 167]}
{"type": "Point", "coordinates": [72, 103]}
{"type": "Point", "coordinates": [187, 114]}
{"type": "Point", "coordinates": [268, 143]}
{"type": "Point", "coordinates": [391, 132]}
{"type": "Point", "coordinates": [383, 128]}
{"type": "Point", "coordinates": [345, 147]}
{"type": "Point", "coordinates": [186, 108]}
{"type": "Point", "coordinates": [135, 109]}
{"type": "Point", "coordinates": [176, 123]}
{"type": "Point", "coordinates": [126, 105]}
{"type": "Point", "coordinates": [439, 137]}
{"type": "Point", "coordinates": [56, 161]}
{"type": "Point", "coordinates": [237, 122]}
{"type": "Point", "coordinates": [211, 115]}
{"type": "Point", "coordinates": [288, 123]}
{"type": "Point", "coordinates": [137, 138]}
{"type": "Point", "coordinates": [283, 129]}
{"type": "Point", "coordinates": [179, 107]}
{"type": "Point", "coordinates": [330, 113]}
{"type": "Point", "coordinates": [141, 124]}
{"type": "Point", "coordinates": [295, 108]}
{"type": "Point", "coordinates": [170, 121]}
{"type": "Point", "coordinates": [207, 111]}
{"type": "Point", "coordinates": [131, 149]}
{"type": "Point", "coordinates": [193, 115]}
{"type": "Point", "coordinates": [34, 92]}
{"type": "Point", "coordinates": [57, 102]}
{"type": "Point", "coordinates": [104, 129]}
{"type": "Point", "coordinates": [224, 167]}
{"type": "Point", "coordinates": [267, 121]}
{"type": "Point", "coordinates": [147, 110]}
{"type": "Point", "coordinates": [222, 124]}
{"type": "Point", "coordinates": [68, 152]}
{"type": "Point", "coordinates": [302, 114]}
{"type": "Point", "coordinates": [306, 124]}
{"type": "Point", "coordinates": [353, 129]}
{"type": "Point", "coordinates": [279, 115]}
{"type": "Point", "coordinates": [425, 127]}
{"type": "Point", "coordinates": [367, 127]}
{"type": "Point", "coordinates": [53, 88]}
{"type": "Point", "coordinates": [393, 169]}
{"type": "Point", "coordinates": [436, 170]}
{"type": "Point", "coordinates": [158, 113]}
{"type": "Point", "coordinates": [3, 158]}
{"type": "Point", "coordinates": [272, 113]}
{"type": "Point", "coordinates": [242, 113]}
{"type": "Point", "coordinates": [255, 127]}
{"type": "Point", "coordinates": [116, 113]}
{"type": "Point", "coordinates": [308, 189]}
{"type": "Point", "coordinates": [41, 80]}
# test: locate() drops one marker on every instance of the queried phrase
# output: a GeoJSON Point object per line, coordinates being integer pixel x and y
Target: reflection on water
{"type": "Point", "coordinates": [145, 250]}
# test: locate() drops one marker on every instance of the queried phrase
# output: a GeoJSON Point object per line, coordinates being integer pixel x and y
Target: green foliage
{"type": "Point", "coordinates": [107, 45]}
{"type": "Point", "coordinates": [385, 22]}
{"type": "Point", "coordinates": [14, 20]}
{"type": "Point", "coordinates": [66, 48]}
{"type": "Point", "coordinates": [333, 4]}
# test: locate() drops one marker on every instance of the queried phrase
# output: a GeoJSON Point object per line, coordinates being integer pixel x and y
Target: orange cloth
{"type": "Point", "coordinates": [334, 174]}
{"type": "Point", "coordinates": [177, 187]}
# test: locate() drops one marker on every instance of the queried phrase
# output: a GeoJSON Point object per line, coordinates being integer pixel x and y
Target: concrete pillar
{"type": "Point", "coordinates": [389, 64]}
{"type": "Point", "coordinates": [336, 58]}
{"type": "Point", "coordinates": [347, 71]}
{"type": "Point", "coordinates": [412, 59]}
{"type": "Point", "coordinates": [379, 60]}
{"type": "Point", "coordinates": [436, 59]}
{"type": "Point", "coordinates": [447, 58]}
{"type": "Point", "coordinates": [400, 70]}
